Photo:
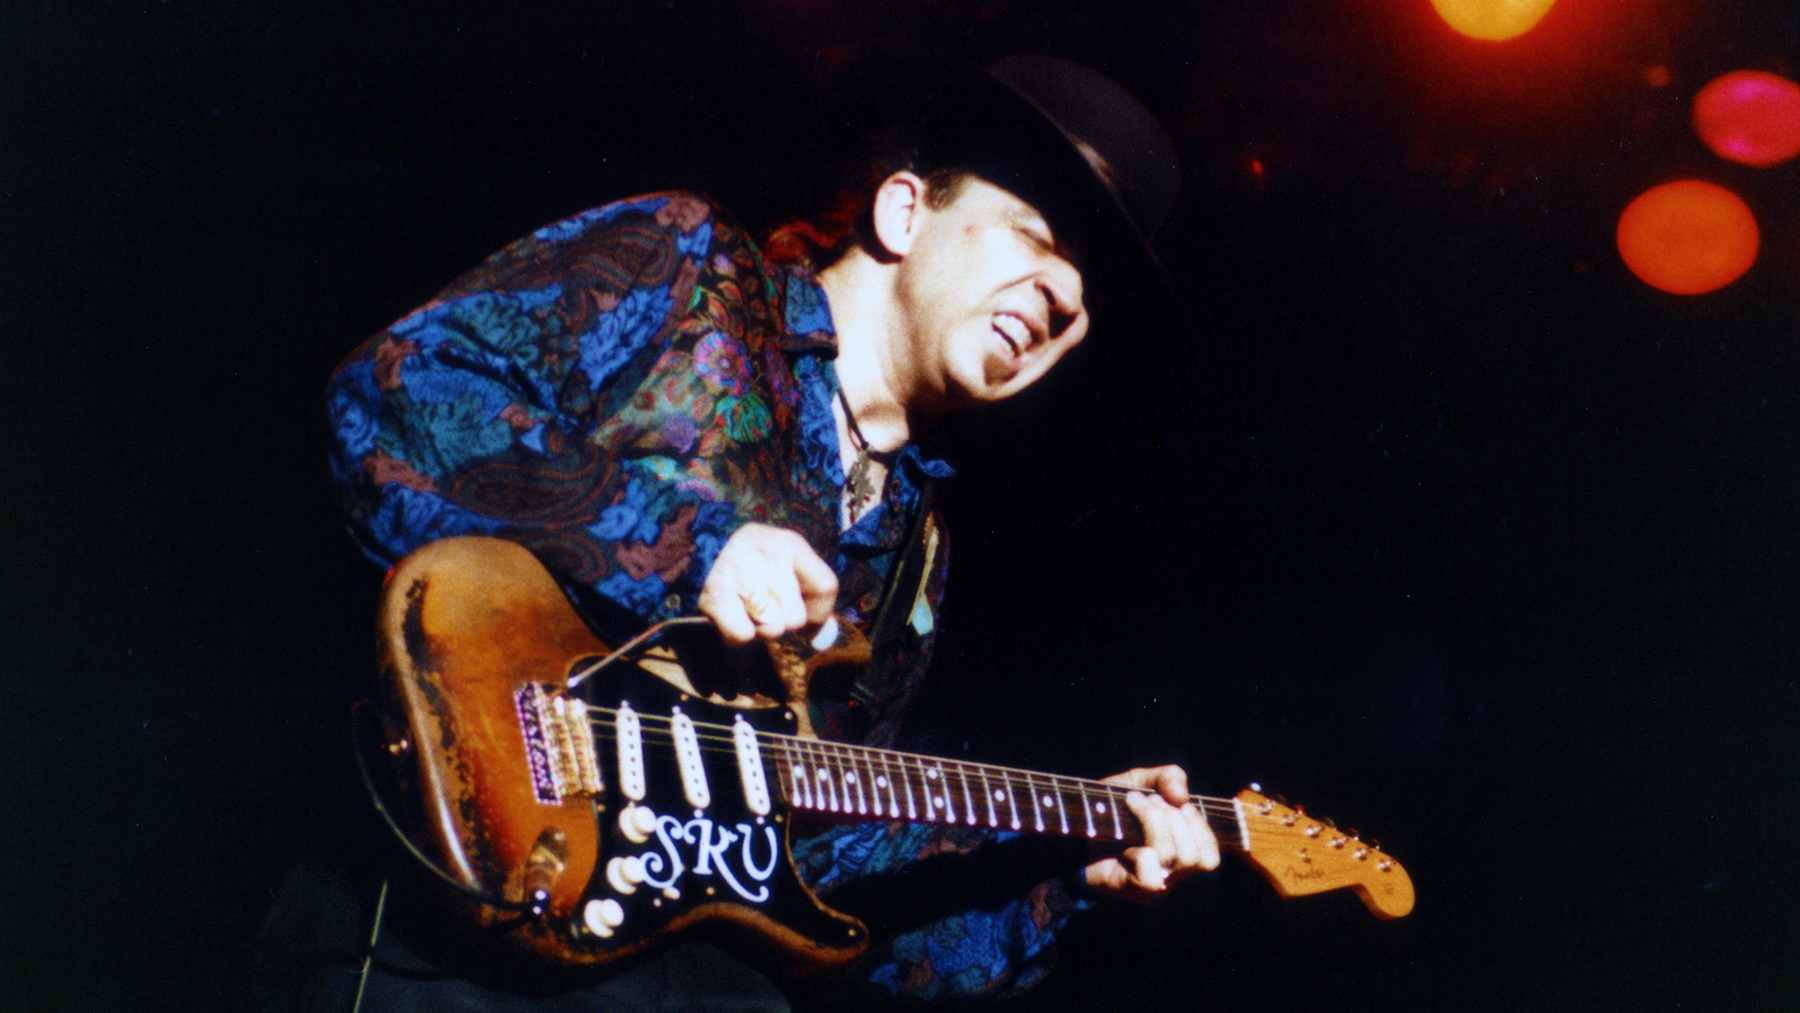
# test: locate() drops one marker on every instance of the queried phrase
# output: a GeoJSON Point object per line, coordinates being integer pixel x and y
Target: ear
{"type": "Point", "coordinates": [898, 212]}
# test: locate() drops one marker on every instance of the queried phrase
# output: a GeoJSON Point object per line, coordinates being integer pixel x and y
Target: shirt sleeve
{"type": "Point", "coordinates": [568, 395]}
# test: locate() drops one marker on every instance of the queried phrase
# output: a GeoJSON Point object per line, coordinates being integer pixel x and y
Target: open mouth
{"type": "Point", "coordinates": [1014, 331]}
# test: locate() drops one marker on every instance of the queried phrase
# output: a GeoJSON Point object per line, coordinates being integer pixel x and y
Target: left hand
{"type": "Point", "coordinates": [1177, 841]}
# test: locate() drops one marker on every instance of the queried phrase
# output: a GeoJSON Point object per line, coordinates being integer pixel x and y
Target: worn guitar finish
{"type": "Point", "coordinates": [632, 809]}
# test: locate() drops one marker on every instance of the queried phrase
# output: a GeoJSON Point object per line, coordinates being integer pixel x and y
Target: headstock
{"type": "Point", "coordinates": [1301, 855]}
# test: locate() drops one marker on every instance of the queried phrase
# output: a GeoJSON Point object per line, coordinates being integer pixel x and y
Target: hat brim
{"type": "Point", "coordinates": [978, 122]}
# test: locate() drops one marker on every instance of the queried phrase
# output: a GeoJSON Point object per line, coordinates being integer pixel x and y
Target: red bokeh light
{"type": "Point", "coordinates": [1750, 116]}
{"type": "Point", "coordinates": [1688, 237]}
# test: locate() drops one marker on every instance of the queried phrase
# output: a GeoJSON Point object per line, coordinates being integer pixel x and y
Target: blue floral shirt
{"type": "Point", "coordinates": [620, 392]}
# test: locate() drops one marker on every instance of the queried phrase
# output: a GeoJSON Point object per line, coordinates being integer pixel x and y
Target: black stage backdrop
{"type": "Point", "coordinates": [1452, 528]}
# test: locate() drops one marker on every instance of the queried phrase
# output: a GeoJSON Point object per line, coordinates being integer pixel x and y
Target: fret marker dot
{"type": "Point", "coordinates": [1048, 802]}
{"type": "Point", "coordinates": [999, 796]}
{"type": "Point", "coordinates": [881, 782]}
{"type": "Point", "coordinates": [1099, 807]}
{"type": "Point", "coordinates": [850, 778]}
{"type": "Point", "coordinates": [931, 774]}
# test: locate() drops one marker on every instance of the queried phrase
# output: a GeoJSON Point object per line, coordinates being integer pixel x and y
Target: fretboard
{"type": "Point", "coordinates": [848, 782]}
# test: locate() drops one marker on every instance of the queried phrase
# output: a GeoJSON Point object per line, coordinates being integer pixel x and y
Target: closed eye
{"type": "Point", "coordinates": [1038, 238]}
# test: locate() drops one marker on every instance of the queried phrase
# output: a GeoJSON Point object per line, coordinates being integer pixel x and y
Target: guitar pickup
{"type": "Point", "coordinates": [559, 745]}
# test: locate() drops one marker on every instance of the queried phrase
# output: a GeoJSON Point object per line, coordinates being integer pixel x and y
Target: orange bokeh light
{"type": "Point", "coordinates": [1688, 237]}
{"type": "Point", "coordinates": [1750, 116]}
{"type": "Point", "coordinates": [1494, 20]}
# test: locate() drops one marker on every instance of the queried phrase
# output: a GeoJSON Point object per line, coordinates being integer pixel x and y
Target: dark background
{"type": "Point", "coordinates": [1453, 529]}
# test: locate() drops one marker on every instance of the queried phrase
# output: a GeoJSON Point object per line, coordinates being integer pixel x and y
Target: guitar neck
{"type": "Point", "coordinates": [861, 783]}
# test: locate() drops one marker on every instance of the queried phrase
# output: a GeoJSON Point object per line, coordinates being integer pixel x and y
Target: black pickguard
{"type": "Point", "coordinates": [698, 869]}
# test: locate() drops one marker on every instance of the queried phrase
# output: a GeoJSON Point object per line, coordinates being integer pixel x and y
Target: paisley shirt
{"type": "Point", "coordinates": [620, 392]}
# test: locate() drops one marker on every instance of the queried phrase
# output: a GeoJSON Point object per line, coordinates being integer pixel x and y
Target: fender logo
{"type": "Point", "coordinates": [1291, 872]}
{"type": "Point", "coordinates": [709, 845]}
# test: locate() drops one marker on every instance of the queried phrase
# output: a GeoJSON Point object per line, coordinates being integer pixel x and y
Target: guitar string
{"type": "Point", "coordinates": [843, 751]}
{"type": "Point", "coordinates": [1225, 809]}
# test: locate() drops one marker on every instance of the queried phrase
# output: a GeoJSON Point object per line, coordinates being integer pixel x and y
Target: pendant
{"type": "Point", "coordinates": [858, 490]}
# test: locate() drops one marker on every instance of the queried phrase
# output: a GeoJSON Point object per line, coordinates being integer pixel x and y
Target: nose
{"type": "Point", "coordinates": [1062, 290]}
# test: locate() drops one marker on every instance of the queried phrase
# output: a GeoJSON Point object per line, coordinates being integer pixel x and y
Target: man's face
{"type": "Point", "coordinates": [994, 299]}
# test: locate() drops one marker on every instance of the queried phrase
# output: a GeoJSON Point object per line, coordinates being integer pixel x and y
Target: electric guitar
{"type": "Point", "coordinates": [586, 808]}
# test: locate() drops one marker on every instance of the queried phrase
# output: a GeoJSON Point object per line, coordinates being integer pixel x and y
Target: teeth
{"type": "Point", "coordinates": [1013, 330]}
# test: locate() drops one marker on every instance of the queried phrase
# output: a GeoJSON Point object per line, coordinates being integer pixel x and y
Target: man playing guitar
{"type": "Point", "coordinates": [676, 421]}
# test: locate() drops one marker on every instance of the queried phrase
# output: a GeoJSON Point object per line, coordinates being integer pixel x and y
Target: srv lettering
{"type": "Point", "coordinates": [710, 844]}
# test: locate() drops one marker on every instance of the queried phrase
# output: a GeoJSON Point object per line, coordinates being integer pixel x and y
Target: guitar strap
{"type": "Point", "coordinates": [903, 601]}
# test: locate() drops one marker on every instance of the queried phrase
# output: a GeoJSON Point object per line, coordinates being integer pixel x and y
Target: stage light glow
{"type": "Point", "coordinates": [1688, 237]}
{"type": "Point", "coordinates": [1495, 20]}
{"type": "Point", "coordinates": [1749, 116]}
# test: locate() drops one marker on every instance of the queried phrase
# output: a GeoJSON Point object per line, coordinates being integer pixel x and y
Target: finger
{"type": "Point", "coordinates": [1147, 868]}
{"type": "Point", "coordinates": [1185, 829]}
{"type": "Point", "coordinates": [1153, 816]}
{"type": "Point", "coordinates": [1209, 844]}
{"type": "Point", "coordinates": [726, 610]}
{"type": "Point", "coordinates": [1108, 874]}
{"type": "Point", "coordinates": [1172, 784]}
{"type": "Point", "coordinates": [1136, 777]}
{"type": "Point", "coordinates": [1168, 780]}
{"type": "Point", "coordinates": [790, 609]}
{"type": "Point", "coordinates": [818, 585]}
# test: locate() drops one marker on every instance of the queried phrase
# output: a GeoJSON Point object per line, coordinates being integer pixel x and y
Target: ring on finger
{"type": "Point", "coordinates": [759, 605]}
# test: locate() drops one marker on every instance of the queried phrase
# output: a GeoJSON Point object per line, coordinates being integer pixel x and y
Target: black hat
{"type": "Point", "coordinates": [1066, 138]}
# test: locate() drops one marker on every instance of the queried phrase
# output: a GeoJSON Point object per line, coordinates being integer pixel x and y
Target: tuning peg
{"type": "Point", "coordinates": [1328, 822]}
{"type": "Point", "coordinates": [1354, 835]}
{"type": "Point", "coordinates": [1300, 809]}
{"type": "Point", "coordinates": [1279, 800]}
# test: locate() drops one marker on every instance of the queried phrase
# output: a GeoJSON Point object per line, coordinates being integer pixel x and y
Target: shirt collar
{"type": "Point", "coordinates": [806, 313]}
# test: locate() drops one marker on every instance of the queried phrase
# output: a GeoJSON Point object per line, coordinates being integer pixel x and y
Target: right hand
{"type": "Point", "coordinates": [767, 582]}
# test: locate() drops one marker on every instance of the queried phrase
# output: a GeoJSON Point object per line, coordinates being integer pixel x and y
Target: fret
{"type": "Point", "coordinates": [774, 750]}
{"type": "Point", "coordinates": [911, 776]}
{"type": "Point", "coordinates": [816, 779]}
{"type": "Point", "coordinates": [912, 811]}
{"type": "Point", "coordinates": [796, 778]}
{"type": "Point", "coordinates": [1062, 810]}
{"type": "Point", "coordinates": [949, 809]}
{"type": "Point", "coordinates": [834, 761]}
{"type": "Point", "coordinates": [934, 776]}
{"type": "Point", "coordinates": [987, 792]}
{"type": "Point", "coordinates": [855, 776]}
{"type": "Point", "coordinates": [828, 775]}
{"type": "Point", "coordinates": [887, 772]}
{"type": "Point", "coordinates": [803, 776]}
{"type": "Point", "coordinates": [1087, 809]}
{"type": "Point", "coordinates": [845, 772]}
{"type": "Point", "coordinates": [1033, 801]}
{"type": "Point", "coordinates": [1118, 829]}
{"type": "Point", "coordinates": [962, 772]}
{"type": "Point", "coordinates": [1012, 800]}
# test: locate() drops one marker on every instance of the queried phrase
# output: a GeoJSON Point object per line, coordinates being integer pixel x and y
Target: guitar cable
{"type": "Point", "coordinates": [655, 631]}
{"type": "Point", "coordinates": [362, 979]}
